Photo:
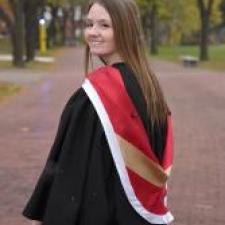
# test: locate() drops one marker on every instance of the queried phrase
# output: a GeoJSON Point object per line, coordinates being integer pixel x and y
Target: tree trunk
{"type": "Point", "coordinates": [205, 12]}
{"type": "Point", "coordinates": [18, 32]}
{"type": "Point", "coordinates": [31, 28]}
{"type": "Point", "coordinates": [222, 9]}
{"type": "Point", "coordinates": [52, 28]}
{"type": "Point", "coordinates": [204, 55]}
{"type": "Point", "coordinates": [153, 29]}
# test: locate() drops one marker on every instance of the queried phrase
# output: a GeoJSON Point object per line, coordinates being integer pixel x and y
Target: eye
{"type": "Point", "coordinates": [105, 25]}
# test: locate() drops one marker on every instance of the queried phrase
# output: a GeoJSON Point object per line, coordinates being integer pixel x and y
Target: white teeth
{"type": "Point", "coordinates": [95, 42]}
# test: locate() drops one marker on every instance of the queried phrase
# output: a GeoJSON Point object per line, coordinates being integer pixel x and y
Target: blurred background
{"type": "Point", "coordinates": [173, 29]}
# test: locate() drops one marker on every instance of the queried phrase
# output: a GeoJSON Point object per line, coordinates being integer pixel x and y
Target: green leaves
{"type": "Point", "coordinates": [180, 18]}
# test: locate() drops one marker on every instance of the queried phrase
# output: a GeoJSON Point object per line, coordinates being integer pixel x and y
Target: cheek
{"type": "Point", "coordinates": [110, 39]}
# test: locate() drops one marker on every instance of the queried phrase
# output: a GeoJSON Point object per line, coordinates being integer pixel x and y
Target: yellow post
{"type": "Point", "coordinates": [42, 36]}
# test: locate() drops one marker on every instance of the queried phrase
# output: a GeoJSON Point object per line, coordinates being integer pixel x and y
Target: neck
{"type": "Point", "coordinates": [111, 59]}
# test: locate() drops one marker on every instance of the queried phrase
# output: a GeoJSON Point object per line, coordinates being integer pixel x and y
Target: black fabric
{"type": "Point", "coordinates": [156, 135]}
{"type": "Point", "coordinates": [79, 184]}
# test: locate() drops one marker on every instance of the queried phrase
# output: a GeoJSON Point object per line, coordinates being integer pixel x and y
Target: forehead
{"type": "Point", "coordinates": [98, 12]}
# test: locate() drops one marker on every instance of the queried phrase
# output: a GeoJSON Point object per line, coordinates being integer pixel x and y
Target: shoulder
{"type": "Point", "coordinates": [78, 95]}
{"type": "Point", "coordinates": [102, 71]}
{"type": "Point", "coordinates": [78, 101]}
{"type": "Point", "coordinates": [105, 77]}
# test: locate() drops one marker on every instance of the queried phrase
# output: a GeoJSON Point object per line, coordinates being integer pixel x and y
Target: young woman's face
{"type": "Point", "coordinates": [99, 33]}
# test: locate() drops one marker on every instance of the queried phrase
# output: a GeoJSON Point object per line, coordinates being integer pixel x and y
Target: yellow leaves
{"type": "Point", "coordinates": [216, 16]}
{"type": "Point", "coordinates": [180, 17]}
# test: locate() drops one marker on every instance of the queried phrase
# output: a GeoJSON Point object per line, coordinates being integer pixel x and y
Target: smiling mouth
{"type": "Point", "coordinates": [95, 43]}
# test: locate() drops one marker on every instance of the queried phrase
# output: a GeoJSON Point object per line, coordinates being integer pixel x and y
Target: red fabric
{"type": "Point", "coordinates": [151, 196]}
{"type": "Point", "coordinates": [126, 122]}
{"type": "Point", "coordinates": [168, 151]}
{"type": "Point", "coordinates": [110, 87]}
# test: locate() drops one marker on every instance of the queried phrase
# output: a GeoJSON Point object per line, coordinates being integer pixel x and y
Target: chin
{"type": "Point", "coordinates": [98, 53]}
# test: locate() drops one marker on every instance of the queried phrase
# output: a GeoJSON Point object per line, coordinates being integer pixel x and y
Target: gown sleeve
{"type": "Point", "coordinates": [73, 117]}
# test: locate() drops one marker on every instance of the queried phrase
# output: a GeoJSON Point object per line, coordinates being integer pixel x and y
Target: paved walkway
{"type": "Point", "coordinates": [29, 121]}
{"type": "Point", "coordinates": [197, 100]}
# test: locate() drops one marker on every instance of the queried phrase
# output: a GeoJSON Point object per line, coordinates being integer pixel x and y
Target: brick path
{"type": "Point", "coordinates": [197, 100]}
{"type": "Point", "coordinates": [28, 124]}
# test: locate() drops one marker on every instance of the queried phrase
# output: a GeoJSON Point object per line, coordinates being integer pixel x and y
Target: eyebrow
{"type": "Point", "coordinates": [99, 20]}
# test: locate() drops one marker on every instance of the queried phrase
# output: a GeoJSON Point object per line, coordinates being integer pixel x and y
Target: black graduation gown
{"type": "Point", "coordinates": [79, 184]}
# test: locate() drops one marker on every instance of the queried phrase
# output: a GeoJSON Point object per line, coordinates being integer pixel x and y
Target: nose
{"type": "Point", "coordinates": [93, 31]}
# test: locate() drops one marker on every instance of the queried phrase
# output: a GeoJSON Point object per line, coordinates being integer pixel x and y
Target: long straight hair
{"type": "Point", "coordinates": [131, 47]}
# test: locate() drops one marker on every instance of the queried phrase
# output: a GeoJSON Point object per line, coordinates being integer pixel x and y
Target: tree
{"type": "Point", "coordinates": [17, 33]}
{"type": "Point", "coordinates": [24, 30]}
{"type": "Point", "coordinates": [205, 11]}
{"type": "Point", "coordinates": [180, 19]}
{"type": "Point", "coordinates": [65, 25]}
{"type": "Point", "coordinates": [24, 25]}
{"type": "Point", "coordinates": [222, 8]}
{"type": "Point", "coordinates": [31, 27]}
{"type": "Point", "coordinates": [153, 28]}
{"type": "Point", "coordinates": [176, 21]}
{"type": "Point", "coordinates": [150, 14]}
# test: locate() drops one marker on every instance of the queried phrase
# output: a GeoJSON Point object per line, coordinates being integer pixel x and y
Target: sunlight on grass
{"type": "Point", "coordinates": [216, 54]}
{"type": "Point", "coordinates": [5, 45]}
{"type": "Point", "coordinates": [30, 65]}
{"type": "Point", "coordinates": [7, 89]}
{"type": "Point", "coordinates": [5, 64]}
{"type": "Point", "coordinates": [5, 48]}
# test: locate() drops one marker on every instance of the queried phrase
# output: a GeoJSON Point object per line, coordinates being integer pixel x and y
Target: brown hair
{"type": "Point", "coordinates": [131, 47]}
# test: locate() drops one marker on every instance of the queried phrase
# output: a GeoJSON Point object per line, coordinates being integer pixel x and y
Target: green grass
{"type": "Point", "coordinates": [174, 54]}
{"type": "Point", "coordinates": [5, 46]}
{"type": "Point", "coordinates": [34, 65]}
{"type": "Point", "coordinates": [5, 64]}
{"type": "Point", "coordinates": [7, 89]}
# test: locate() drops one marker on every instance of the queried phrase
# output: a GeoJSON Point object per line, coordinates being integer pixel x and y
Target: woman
{"type": "Point", "coordinates": [112, 154]}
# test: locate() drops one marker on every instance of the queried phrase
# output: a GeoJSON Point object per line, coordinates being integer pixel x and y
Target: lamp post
{"type": "Point", "coordinates": [42, 36]}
